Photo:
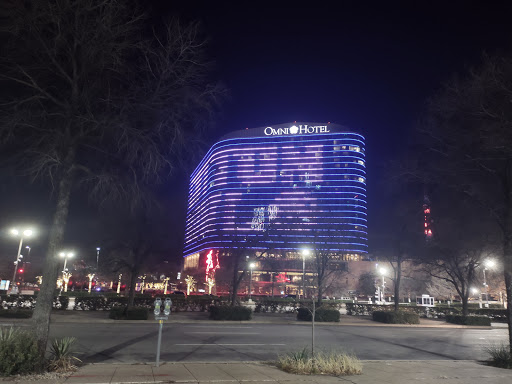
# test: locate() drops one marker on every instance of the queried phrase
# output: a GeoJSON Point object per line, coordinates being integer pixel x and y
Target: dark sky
{"type": "Point", "coordinates": [367, 65]}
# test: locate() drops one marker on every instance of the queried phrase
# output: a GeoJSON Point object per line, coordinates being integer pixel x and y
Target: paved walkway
{"type": "Point", "coordinates": [381, 372]}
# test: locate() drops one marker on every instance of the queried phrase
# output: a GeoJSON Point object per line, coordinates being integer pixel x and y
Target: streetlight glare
{"type": "Point", "coordinates": [489, 263]}
{"type": "Point", "coordinates": [382, 271]}
{"type": "Point", "coordinates": [305, 252]}
{"type": "Point", "coordinates": [252, 265]}
{"type": "Point", "coordinates": [28, 232]}
{"type": "Point", "coordinates": [98, 248]}
{"type": "Point", "coordinates": [14, 232]}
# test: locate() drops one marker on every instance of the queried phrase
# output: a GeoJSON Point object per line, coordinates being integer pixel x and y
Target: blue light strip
{"type": "Point", "coordinates": [314, 183]}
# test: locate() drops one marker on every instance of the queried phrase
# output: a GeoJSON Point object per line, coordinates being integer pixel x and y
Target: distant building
{"type": "Point", "coordinates": [278, 189]}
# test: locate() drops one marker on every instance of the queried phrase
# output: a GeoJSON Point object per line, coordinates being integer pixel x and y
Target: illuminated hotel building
{"type": "Point", "coordinates": [279, 189]}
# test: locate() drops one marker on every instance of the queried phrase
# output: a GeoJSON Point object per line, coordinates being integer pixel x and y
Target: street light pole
{"type": "Point", "coordinates": [22, 234]}
{"type": "Point", "coordinates": [487, 264]}
{"type": "Point", "coordinates": [383, 298]}
{"type": "Point", "coordinates": [251, 266]}
{"type": "Point", "coordinates": [17, 261]}
{"type": "Point", "coordinates": [97, 257]}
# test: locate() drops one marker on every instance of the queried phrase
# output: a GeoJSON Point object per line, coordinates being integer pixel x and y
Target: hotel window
{"type": "Point", "coordinates": [318, 154]}
{"type": "Point", "coordinates": [353, 148]}
{"type": "Point", "coordinates": [361, 179]}
{"type": "Point", "coordinates": [337, 148]}
{"type": "Point", "coordinates": [360, 162]}
{"type": "Point", "coordinates": [344, 147]}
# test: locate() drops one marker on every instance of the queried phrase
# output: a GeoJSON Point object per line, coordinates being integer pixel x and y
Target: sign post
{"type": "Point", "coordinates": [160, 318]}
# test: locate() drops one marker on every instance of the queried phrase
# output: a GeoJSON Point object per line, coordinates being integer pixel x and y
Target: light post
{"type": "Point", "coordinates": [305, 252]}
{"type": "Point", "coordinates": [65, 274]}
{"type": "Point", "coordinates": [383, 272]}
{"type": "Point", "coordinates": [97, 257]}
{"type": "Point", "coordinates": [29, 249]}
{"type": "Point", "coordinates": [487, 265]}
{"type": "Point", "coordinates": [251, 266]}
{"type": "Point", "coordinates": [21, 233]}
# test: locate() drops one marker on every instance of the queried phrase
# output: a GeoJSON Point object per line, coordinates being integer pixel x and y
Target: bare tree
{"type": "Point", "coordinates": [92, 99]}
{"type": "Point", "coordinates": [467, 141]}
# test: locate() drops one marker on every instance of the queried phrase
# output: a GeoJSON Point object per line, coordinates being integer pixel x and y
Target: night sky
{"type": "Point", "coordinates": [368, 66]}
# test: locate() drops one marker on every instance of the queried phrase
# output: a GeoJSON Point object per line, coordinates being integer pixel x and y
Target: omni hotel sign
{"type": "Point", "coordinates": [296, 129]}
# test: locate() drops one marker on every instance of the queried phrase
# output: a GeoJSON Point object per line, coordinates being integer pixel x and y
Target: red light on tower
{"type": "Point", "coordinates": [20, 270]}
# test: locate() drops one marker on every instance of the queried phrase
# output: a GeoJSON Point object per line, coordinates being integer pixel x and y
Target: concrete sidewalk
{"type": "Point", "coordinates": [393, 372]}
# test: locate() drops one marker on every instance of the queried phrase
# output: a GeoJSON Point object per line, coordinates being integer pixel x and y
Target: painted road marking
{"type": "Point", "coordinates": [225, 333]}
{"type": "Point", "coordinates": [230, 344]}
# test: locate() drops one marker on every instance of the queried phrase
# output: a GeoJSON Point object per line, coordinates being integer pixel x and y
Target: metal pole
{"type": "Point", "coordinates": [313, 331]}
{"type": "Point", "coordinates": [97, 258]}
{"type": "Point", "coordinates": [250, 284]}
{"type": "Point", "coordinates": [17, 261]}
{"type": "Point", "coordinates": [65, 262]}
{"type": "Point", "coordinates": [486, 291]}
{"type": "Point", "coordinates": [383, 287]}
{"type": "Point", "coordinates": [160, 324]}
{"type": "Point", "coordinates": [303, 276]}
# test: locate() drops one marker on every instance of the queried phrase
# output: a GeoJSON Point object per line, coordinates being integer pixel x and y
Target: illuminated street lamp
{"type": "Point", "coordinates": [383, 271]}
{"type": "Point", "coordinates": [66, 255]}
{"type": "Point", "coordinates": [488, 264]}
{"type": "Point", "coordinates": [251, 267]}
{"type": "Point", "coordinates": [305, 252]}
{"type": "Point", "coordinates": [27, 232]}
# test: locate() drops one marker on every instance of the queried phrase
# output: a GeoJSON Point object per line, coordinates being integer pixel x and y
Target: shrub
{"type": "Point", "coordinates": [61, 302]}
{"type": "Point", "coordinates": [399, 317]}
{"type": "Point", "coordinates": [18, 352]}
{"type": "Point", "coordinates": [331, 363]}
{"type": "Point", "coordinates": [90, 303]}
{"type": "Point", "coordinates": [62, 358]}
{"type": "Point", "coordinates": [125, 313]}
{"type": "Point", "coordinates": [117, 313]}
{"type": "Point", "coordinates": [137, 313]}
{"type": "Point", "coordinates": [500, 356]}
{"type": "Point", "coordinates": [495, 314]}
{"type": "Point", "coordinates": [225, 312]}
{"type": "Point", "coordinates": [16, 313]}
{"type": "Point", "coordinates": [321, 315]}
{"type": "Point", "coordinates": [468, 320]}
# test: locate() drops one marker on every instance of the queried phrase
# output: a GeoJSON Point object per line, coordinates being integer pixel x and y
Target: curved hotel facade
{"type": "Point", "coordinates": [281, 188]}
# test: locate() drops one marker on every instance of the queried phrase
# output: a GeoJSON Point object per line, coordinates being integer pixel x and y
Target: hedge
{"type": "Point", "coordinates": [399, 317]}
{"type": "Point", "coordinates": [468, 320]}
{"type": "Point", "coordinates": [321, 315]}
{"type": "Point", "coordinates": [224, 312]}
{"type": "Point", "coordinates": [124, 313]}
{"type": "Point", "coordinates": [16, 313]}
{"type": "Point", "coordinates": [29, 301]}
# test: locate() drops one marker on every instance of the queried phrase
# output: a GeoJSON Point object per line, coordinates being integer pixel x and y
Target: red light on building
{"type": "Point", "coordinates": [20, 270]}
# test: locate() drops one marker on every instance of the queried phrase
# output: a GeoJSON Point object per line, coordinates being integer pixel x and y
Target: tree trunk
{"type": "Point", "coordinates": [507, 248]}
{"type": "Point", "coordinates": [465, 298]}
{"type": "Point", "coordinates": [398, 278]}
{"type": "Point", "coordinates": [133, 283]}
{"type": "Point", "coordinates": [43, 309]}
